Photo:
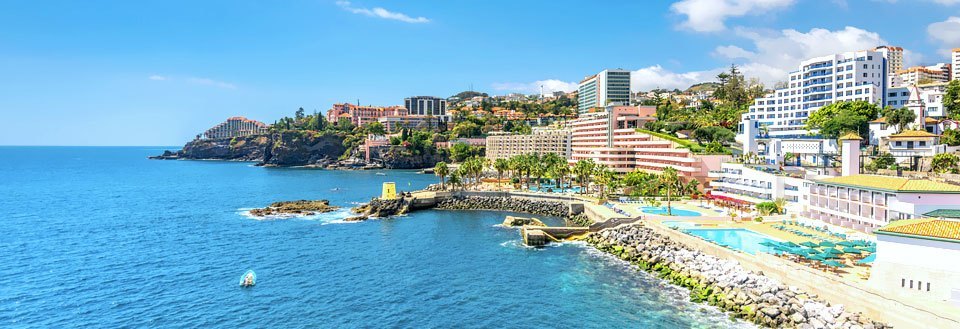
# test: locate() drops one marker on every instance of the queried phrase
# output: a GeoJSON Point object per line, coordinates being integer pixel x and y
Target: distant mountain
{"type": "Point", "coordinates": [703, 86]}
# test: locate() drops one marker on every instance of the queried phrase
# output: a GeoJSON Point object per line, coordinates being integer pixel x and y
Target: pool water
{"type": "Point", "coordinates": [554, 189]}
{"type": "Point", "coordinates": [737, 238]}
{"type": "Point", "coordinates": [662, 210]}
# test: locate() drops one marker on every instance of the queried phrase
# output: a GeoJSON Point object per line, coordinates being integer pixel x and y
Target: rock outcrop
{"type": "Point", "coordinates": [399, 157]}
{"type": "Point", "coordinates": [380, 208]}
{"type": "Point", "coordinates": [289, 148]}
{"type": "Point", "coordinates": [513, 221]}
{"type": "Point", "coordinates": [724, 283]}
{"type": "Point", "coordinates": [294, 208]}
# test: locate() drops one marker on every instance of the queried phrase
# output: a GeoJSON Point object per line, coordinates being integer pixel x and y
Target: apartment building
{"type": "Point", "coordinates": [361, 115]}
{"type": "Point", "coordinates": [503, 145]}
{"type": "Point", "coordinates": [817, 82]}
{"type": "Point", "coordinates": [866, 202]}
{"type": "Point", "coordinates": [413, 122]}
{"type": "Point", "coordinates": [955, 64]}
{"type": "Point", "coordinates": [610, 138]}
{"type": "Point", "coordinates": [752, 184]}
{"type": "Point", "coordinates": [236, 127]}
{"type": "Point", "coordinates": [609, 87]}
{"type": "Point", "coordinates": [427, 106]}
{"type": "Point", "coordinates": [923, 75]}
{"type": "Point", "coordinates": [894, 56]}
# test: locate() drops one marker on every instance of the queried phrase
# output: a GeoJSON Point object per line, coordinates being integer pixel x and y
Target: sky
{"type": "Point", "coordinates": [159, 72]}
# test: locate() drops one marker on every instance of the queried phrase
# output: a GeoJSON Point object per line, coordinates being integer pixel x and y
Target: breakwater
{"type": "Point", "coordinates": [724, 283]}
{"type": "Point", "coordinates": [536, 207]}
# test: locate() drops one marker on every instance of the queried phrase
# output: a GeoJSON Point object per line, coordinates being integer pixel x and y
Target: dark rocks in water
{"type": "Point", "coordinates": [381, 208]}
{"type": "Point", "coordinates": [294, 208]}
{"type": "Point", "coordinates": [167, 155]}
{"type": "Point", "coordinates": [512, 221]}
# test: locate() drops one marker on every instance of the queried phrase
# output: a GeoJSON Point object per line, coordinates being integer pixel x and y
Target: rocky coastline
{"type": "Point", "coordinates": [724, 283]}
{"type": "Point", "coordinates": [294, 208]}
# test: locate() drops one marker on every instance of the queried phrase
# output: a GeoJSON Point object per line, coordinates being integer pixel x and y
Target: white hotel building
{"type": "Point", "coordinates": [850, 76]}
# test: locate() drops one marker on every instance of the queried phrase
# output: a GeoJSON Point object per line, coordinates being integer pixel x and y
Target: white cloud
{"type": "Point", "coordinates": [381, 13]}
{"type": "Point", "coordinates": [549, 86]}
{"type": "Point", "coordinates": [709, 15]}
{"type": "Point", "coordinates": [947, 33]}
{"type": "Point", "coordinates": [157, 77]}
{"type": "Point", "coordinates": [211, 82]}
{"type": "Point", "coordinates": [657, 77]}
{"type": "Point", "coordinates": [770, 57]}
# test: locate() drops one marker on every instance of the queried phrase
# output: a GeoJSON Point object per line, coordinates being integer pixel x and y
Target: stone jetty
{"type": "Point", "coordinates": [724, 283]}
{"type": "Point", "coordinates": [537, 207]}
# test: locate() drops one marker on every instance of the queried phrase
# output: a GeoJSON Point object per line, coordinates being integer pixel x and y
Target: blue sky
{"type": "Point", "coordinates": [159, 72]}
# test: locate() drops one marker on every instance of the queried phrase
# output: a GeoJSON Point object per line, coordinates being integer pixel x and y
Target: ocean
{"type": "Point", "coordinates": [103, 237]}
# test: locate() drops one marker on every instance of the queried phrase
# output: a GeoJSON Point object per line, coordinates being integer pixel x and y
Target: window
{"type": "Point", "coordinates": [911, 284]}
{"type": "Point", "coordinates": [928, 286]}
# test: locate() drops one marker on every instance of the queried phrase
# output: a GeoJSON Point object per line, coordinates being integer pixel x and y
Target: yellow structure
{"type": "Point", "coordinates": [389, 191]}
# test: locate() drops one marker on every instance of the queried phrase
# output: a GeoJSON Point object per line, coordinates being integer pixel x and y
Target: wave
{"type": "Point", "coordinates": [334, 217]}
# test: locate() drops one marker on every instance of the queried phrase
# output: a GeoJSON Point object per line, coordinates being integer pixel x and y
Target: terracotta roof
{"type": "Point", "coordinates": [880, 120]}
{"type": "Point", "coordinates": [930, 228]}
{"type": "Point", "coordinates": [891, 183]}
{"type": "Point", "coordinates": [930, 120]}
{"type": "Point", "coordinates": [913, 134]}
{"type": "Point", "coordinates": [851, 136]}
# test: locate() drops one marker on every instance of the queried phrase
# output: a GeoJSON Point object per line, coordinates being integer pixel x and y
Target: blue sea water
{"type": "Point", "coordinates": [103, 237]}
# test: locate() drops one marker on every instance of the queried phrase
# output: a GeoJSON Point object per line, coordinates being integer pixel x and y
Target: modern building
{"type": "Point", "coordinates": [923, 75]}
{"type": "Point", "coordinates": [894, 56]}
{"type": "Point", "coordinates": [361, 115]}
{"type": "Point", "coordinates": [752, 184]}
{"type": "Point", "coordinates": [427, 106]}
{"type": "Point", "coordinates": [867, 202]}
{"type": "Point", "coordinates": [610, 138]}
{"type": "Point", "coordinates": [916, 259]}
{"type": "Point", "coordinates": [413, 122]}
{"type": "Point", "coordinates": [502, 145]}
{"type": "Point", "coordinates": [236, 127]}
{"type": "Point", "coordinates": [955, 64]}
{"type": "Point", "coordinates": [850, 76]}
{"type": "Point", "coordinates": [609, 87]}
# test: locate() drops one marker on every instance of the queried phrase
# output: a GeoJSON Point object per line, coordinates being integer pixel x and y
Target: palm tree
{"type": "Point", "coordinates": [780, 205]}
{"type": "Point", "coordinates": [583, 169]}
{"type": "Point", "coordinates": [442, 171]}
{"type": "Point", "coordinates": [537, 168]}
{"type": "Point", "coordinates": [455, 179]}
{"type": "Point", "coordinates": [669, 180]}
{"type": "Point", "coordinates": [500, 165]}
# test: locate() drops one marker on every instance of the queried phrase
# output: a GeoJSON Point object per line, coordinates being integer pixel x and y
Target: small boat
{"type": "Point", "coordinates": [248, 279]}
{"type": "Point", "coordinates": [380, 174]}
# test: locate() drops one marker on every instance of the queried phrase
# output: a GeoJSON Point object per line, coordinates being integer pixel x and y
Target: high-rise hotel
{"type": "Point", "coordinates": [609, 87]}
{"type": "Point", "coordinates": [850, 76]}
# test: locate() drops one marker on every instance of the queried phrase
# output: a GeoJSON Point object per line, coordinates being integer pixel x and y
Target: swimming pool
{"type": "Point", "coordinates": [554, 189]}
{"type": "Point", "coordinates": [737, 238]}
{"type": "Point", "coordinates": [662, 210]}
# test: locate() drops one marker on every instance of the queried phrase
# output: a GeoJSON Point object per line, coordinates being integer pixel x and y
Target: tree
{"type": "Point", "coordinates": [944, 163]}
{"type": "Point", "coordinates": [951, 137]}
{"type": "Point", "coordinates": [841, 117]}
{"type": "Point", "coordinates": [299, 114]}
{"type": "Point", "coordinates": [375, 128]}
{"type": "Point", "coordinates": [712, 134]}
{"type": "Point", "coordinates": [900, 117]}
{"type": "Point", "coordinates": [669, 180]}
{"type": "Point", "coordinates": [442, 171]}
{"type": "Point", "coordinates": [882, 161]}
{"type": "Point", "coordinates": [500, 165]}
{"type": "Point", "coordinates": [455, 179]}
{"type": "Point", "coordinates": [951, 99]}
{"type": "Point", "coordinates": [583, 169]}
{"type": "Point", "coordinates": [460, 152]}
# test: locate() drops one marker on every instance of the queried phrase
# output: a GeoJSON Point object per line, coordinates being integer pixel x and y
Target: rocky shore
{"type": "Point", "coordinates": [294, 208]}
{"type": "Point", "coordinates": [724, 283]}
{"type": "Point", "coordinates": [379, 208]}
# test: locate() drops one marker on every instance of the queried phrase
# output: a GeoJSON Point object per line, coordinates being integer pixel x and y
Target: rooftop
{"type": "Point", "coordinates": [850, 136]}
{"type": "Point", "coordinates": [944, 213]}
{"type": "Point", "coordinates": [893, 184]}
{"type": "Point", "coordinates": [913, 134]}
{"type": "Point", "coordinates": [940, 229]}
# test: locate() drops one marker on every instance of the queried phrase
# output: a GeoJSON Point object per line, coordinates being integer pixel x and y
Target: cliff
{"type": "Point", "coordinates": [290, 148]}
{"type": "Point", "coordinates": [399, 157]}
